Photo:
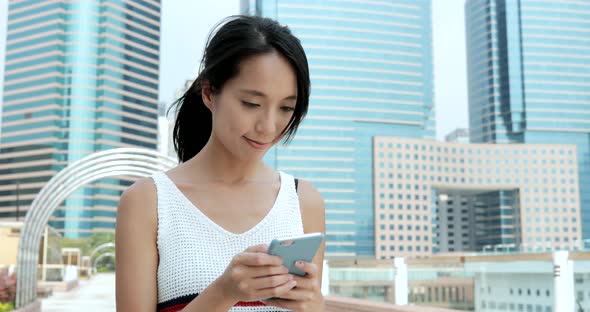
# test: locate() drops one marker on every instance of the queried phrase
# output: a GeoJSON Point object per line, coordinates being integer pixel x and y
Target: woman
{"type": "Point", "coordinates": [194, 238]}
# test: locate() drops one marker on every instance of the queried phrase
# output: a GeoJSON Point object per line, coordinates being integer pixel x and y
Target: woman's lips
{"type": "Point", "coordinates": [256, 144]}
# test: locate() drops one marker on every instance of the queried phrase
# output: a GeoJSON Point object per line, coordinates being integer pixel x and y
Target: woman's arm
{"type": "Point", "coordinates": [313, 213]}
{"type": "Point", "coordinates": [135, 247]}
{"type": "Point", "coordinates": [137, 256]}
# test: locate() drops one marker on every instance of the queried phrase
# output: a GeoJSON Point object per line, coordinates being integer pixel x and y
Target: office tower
{"type": "Point", "coordinates": [528, 79]}
{"type": "Point", "coordinates": [371, 74]}
{"type": "Point", "coordinates": [460, 135]}
{"type": "Point", "coordinates": [80, 77]}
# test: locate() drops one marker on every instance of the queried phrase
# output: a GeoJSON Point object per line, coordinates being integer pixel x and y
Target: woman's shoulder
{"type": "Point", "coordinates": [312, 206]}
{"type": "Point", "coordinates": [309, 196]}
{"type": "Point", "coordinates": [140, 200]}
{"type": "Point", "coordinates": [142, 188]}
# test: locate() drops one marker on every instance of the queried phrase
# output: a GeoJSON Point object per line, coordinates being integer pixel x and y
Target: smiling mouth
{"type": "Point", "coordinates": [256, 144]}
{"type": "Point", "coordinates": [259, 143]}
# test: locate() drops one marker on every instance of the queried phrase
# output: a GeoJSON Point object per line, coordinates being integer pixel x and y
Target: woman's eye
{"type": "Point", "coordinates": [287, 108]}
{"type": "Point", "coordinates": [248, 104]}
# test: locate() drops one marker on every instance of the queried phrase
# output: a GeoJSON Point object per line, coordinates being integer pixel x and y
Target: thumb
{"type": "Point", "coordinates": [257, 248]}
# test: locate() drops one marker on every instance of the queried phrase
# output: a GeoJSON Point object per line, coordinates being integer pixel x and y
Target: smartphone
{"type": "Point", "coordinates": [293, 249]}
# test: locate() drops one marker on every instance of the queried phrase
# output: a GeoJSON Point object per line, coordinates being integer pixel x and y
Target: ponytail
{"type": "Point", "coordinates": [193, 125]}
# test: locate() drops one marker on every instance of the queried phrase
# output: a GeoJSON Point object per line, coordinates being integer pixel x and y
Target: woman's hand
{"type": "Point", "coordinates": [307, 296]}
{"type": "Point", "coordinates": [253, 274]}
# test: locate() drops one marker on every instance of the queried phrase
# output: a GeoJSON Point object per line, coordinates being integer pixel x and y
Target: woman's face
{"type": "Point", "coordinates": [253, 108]}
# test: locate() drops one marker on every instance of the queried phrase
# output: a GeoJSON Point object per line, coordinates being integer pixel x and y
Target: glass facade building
{"type": "Point", "coordinates": [80, 77]}
{"type": "Point", "coordinates": [371, 72]}
{"type": "Point", "coordinates": [529, 77]}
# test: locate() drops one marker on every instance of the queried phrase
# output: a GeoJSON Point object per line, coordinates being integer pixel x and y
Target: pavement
{"type": "Point", "coordinates": [94, 295]}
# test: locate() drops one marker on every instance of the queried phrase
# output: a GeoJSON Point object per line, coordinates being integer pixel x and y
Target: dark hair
{"type": "Point", "coordinates": [231, 42]}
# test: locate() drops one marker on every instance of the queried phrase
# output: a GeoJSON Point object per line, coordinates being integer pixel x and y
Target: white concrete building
{"type": "Point", "coordinates": [526, 195]}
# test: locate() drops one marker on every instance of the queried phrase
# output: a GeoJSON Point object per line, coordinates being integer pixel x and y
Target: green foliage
{"type": "Point", "coordinates": [98, 239]}
{"type": "Point", "coordinates": [82, 243]}
{"type": "Point", "coordinates": [87, 244]}
{"type": "Point", "coordinates": [106, 264]}
{"type": "Point", "coordinates": [5, 307]}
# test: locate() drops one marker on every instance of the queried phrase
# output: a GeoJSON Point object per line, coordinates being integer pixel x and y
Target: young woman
{"type": "Point", "coordinates": [195, 238]}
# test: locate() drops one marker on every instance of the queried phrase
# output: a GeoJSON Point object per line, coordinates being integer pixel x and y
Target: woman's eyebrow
{"type": "Point", "coordinates": [261, 94]}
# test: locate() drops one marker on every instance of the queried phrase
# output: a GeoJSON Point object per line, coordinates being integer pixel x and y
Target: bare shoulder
{"type": "Point", "coordinates": [142, 191]}
{"type": "Point", "coordinates": [140, 201]}
{"type": "Point", "coordinates": [312, 207]}
{"type": "Point", "coordinates": [136, 249]}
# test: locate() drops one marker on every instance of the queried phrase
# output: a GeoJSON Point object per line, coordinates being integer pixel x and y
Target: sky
{"type": "Point", "coordinates": [186, 25]}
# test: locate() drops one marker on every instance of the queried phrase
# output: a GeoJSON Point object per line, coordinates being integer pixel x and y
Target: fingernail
{"type": "Point", "coordinates": [290, 277]}
{"type": "Point", "coordinates": [293, 283]}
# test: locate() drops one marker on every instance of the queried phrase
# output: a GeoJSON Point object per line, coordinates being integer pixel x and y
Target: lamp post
{"type": "Point", "coordinates": [17, 199]}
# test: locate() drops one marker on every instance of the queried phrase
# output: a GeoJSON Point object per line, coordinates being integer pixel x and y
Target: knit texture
{"type": "Point", "coordinates": [194, 251]}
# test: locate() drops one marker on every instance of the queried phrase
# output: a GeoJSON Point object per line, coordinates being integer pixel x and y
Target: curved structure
{"type": "Point", "coordinates": [101, 247]}
{"type": "Point", "coordinates": [106, 254]}
{"type": "Point", "coordinates": [136, 162]}
{"type": "Point", "coordinates": [96, 250]}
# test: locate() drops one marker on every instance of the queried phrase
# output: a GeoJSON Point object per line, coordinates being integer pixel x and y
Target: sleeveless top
{"type": "Point", "coordinates": [194, 251]}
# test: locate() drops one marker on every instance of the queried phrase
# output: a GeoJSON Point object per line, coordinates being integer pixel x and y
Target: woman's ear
{"type": "Point", "coordinates": [207, 95]}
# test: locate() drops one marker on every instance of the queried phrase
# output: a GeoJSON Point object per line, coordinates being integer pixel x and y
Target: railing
{"type": "Point", "coordinates": [547, 282]}
{"type": "Point", "coordinates": [344, 304]}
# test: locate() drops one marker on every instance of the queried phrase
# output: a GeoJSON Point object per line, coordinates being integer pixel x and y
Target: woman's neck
{"type": "Point", "coordinates": [217, 164]}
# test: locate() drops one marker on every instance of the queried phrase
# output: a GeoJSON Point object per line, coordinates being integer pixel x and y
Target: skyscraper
{"type": "Point", "coordinates": [529, 78]}
{"type": "Point", "coordinates": [80, 77]}
{"type": "Point", "coordinates": [371, 74]}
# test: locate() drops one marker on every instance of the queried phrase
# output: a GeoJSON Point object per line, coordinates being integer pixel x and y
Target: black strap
{"type": "Point", "coordinates": [296, 184]}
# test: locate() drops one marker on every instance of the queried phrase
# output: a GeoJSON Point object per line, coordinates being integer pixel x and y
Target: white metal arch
{"type": "Point", "coordinates": [135, 162]}
{"type": "Point", "coordinates": [106, 254]}
{"type": "Point", "coordinates": [96, 250]}
{"type": "Point", "coordinates": [101, 247]}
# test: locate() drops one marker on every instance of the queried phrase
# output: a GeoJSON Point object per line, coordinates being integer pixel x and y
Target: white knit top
{"type": "Point", "coordinates": [194, 251]}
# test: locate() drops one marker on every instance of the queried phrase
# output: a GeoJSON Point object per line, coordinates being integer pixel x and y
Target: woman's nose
{"type": "Point", "coordinates": [266, 124]}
